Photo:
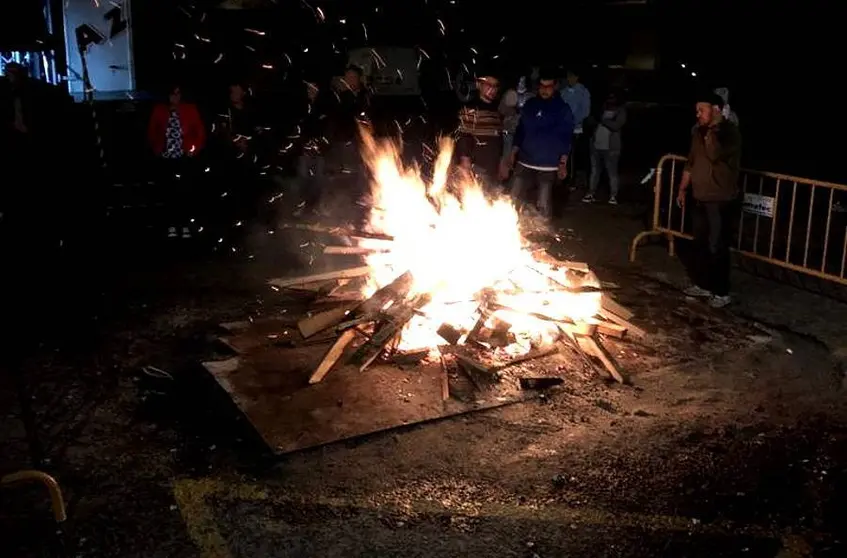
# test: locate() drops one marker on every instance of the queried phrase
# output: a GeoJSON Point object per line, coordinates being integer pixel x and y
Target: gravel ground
{"type": "Point", "coordinates": [731, 440]}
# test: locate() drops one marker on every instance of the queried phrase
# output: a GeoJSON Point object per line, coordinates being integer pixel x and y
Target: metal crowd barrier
{"type": "Point", "coordinates": [57, 502]}
{"type": "Point", "coordinates": [792, 222]}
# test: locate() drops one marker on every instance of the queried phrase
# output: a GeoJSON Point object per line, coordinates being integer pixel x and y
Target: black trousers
{"type": "Point", "coordinates": [708, 265]}
{"type": "Point", "coordinates": [239, 192]}
{"type": "Point", "coordinates": [177, 181]}
{"type": "Point", "coordinates": [526, 179]}
{"type": "Point", "coordinates": [346, 183]}
{"type": "Point", "coordinates": [311, 178]}
{"type": "Point", "coordinates": [579, 160]}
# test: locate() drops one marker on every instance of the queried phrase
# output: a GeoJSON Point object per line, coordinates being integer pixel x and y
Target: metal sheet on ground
{"type": "Point", "coordinates": [270, 386]}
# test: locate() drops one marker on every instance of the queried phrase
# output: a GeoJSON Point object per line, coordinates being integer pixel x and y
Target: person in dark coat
{"type": "Point", "coordinates": [542, 144]}
{"type": "Point", "coordinates": [711, 175]}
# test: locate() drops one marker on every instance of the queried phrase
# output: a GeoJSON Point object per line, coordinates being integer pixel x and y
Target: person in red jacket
{"type": "Point", "coordinates": [176, 129]}
{"type": "Point", "coordinates": [177, 135]}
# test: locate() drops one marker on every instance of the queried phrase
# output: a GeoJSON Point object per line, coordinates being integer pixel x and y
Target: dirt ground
{"type": "Point", "coordinates": [731, 440]}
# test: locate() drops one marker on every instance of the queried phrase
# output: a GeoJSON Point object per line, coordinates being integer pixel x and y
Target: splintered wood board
{"type": "Point", "coordinates": [270, 387]}
{"type": "Point", "coordinates": [288, 282]}
{"type": "Point", "coordinates": [246, 336]}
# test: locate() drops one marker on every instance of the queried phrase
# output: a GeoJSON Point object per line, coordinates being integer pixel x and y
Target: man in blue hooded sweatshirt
{"type": "Point", "coordinates": [541, 145]}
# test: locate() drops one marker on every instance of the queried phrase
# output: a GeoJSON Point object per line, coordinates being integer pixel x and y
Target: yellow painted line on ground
{"type": "Point", "coordinates": [192, 497]}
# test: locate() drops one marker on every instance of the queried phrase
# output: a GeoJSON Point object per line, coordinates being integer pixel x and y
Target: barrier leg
{"type": "Point", "coordinates": [633, 248]}
{"type": "Point", "coordinates": [671, 246]}
{"type": "Point", "coordinates": [57, 501]}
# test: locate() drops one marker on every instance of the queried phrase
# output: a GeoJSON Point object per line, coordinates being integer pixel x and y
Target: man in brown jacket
{"type": "Point", "coordinates": [712, 174]}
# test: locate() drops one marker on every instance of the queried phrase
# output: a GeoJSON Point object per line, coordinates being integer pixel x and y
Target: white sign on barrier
{"type": "Point", "coordinates": [758, 205]}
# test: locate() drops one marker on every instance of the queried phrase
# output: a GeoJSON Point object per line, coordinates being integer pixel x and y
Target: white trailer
{"type": "Point", "coordinates": [388, 71]}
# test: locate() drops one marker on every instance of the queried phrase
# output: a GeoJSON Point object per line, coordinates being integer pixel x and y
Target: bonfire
{"type": "Point", "coordinates": [447, 270]}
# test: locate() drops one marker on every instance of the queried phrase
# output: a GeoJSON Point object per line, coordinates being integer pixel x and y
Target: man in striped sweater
{"type": "Point", "coordinates": [479, 146]}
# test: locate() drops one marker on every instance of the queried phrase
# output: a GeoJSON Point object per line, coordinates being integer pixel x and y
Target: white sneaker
{"type": "Point", "coordinates": [717, 301]}
{"type": "Point", "coordinates": [588, 198]}
{"type": "Point", "coordinates": [613, 200]}
{"type": "Point", "coordinates": [171, 232]}
{"type": "Point", "coordinates": [186, 233]}
{"type": "Point", "coordinates": [697, 292]}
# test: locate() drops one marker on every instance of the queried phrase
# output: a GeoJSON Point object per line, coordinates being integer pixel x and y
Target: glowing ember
{"type": "Point", "coordinates": [458, 244]}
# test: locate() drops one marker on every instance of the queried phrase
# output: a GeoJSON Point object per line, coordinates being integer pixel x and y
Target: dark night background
{"type": "Point", "coordinates": [731, 442]}
{"type": "Point", "coordinates": [779, 59]}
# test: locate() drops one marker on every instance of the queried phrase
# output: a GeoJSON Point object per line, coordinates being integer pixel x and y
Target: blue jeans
{"type": "Point", "coordinates": [508, 140]}
{"type": "Point", "coordinates": [601, 159]}
{"type": "Point", "coordinates": [525, 178]}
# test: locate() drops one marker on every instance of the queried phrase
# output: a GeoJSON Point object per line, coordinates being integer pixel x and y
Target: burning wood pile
{"type": "Point", "coordinates": [428, 289]}
{"type": "Point", "coordinates": [397, 324]}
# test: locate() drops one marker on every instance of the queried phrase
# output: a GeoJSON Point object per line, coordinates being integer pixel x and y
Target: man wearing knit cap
{"type": "Point", "coordinates": [479, 145]}
{"type": "Point", "coordinates": [711, 172]}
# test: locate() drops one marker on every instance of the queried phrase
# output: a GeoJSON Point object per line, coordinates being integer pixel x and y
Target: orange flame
{"type": "Point", "coordinates": [456, 241]}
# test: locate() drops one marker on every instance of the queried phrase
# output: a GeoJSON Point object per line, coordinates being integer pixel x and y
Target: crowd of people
{"type": "Point", "coordinates": [240, 145]}
{"type": "Point", "coordinates": [529, 141]}
{"type": "Point", "coordinates": [535, 139]}
{"type": "Point", "coordinates": [526, 142]}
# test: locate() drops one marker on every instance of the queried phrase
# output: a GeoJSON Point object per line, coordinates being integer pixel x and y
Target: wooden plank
{"type": "Point", "coordinates": [352, 250]}
{"type": "Point", "coordinates": [398, 316]}
{"type": "Point", "coordinates": [287, 282]}
{"type": "Point", "coordinates": [611, 329]}
{"type": "Point", "coordinates": [475, 366]}
{"type": "Point", "coordinates": [445, 381]}
{"type": "Point", "coordinates": [613, 306]}
{"type": "Point", "coordinates": [532, 355]}
{"type": "Point", "coordinates": [324, 320]}
{"type": "Point", "coordinates": [370, 360]}
{"type": "Point", "coordinates": [316, 287]}
{"type": "Point", "coordinates": [544, 257]}
{"type": "Point", "coordinates": [333, 355]}
{"type": "Point", "coordinates": [580, 328]}
{"type": "Point", "coordinates": [484, 311]}
{"type": "Point", "coordinates": [393, 292]}
{"type": "Point", "coordinates": [262, 332]}
{"type": "Point", "coordinates": [608, 362]}
{"type": "Point", "coordinates": [335, 231]}
{"type": "Point", "coordinates": [559, 285]}
{"type": "Point", "coordinates": [341, 297]}
{"type": "Point", "coordinates": [595, 349]}
{"type": "Point", "coordinates": [449, 333]}
{"type": "Point", "coordinates": [576, 266]}
{"type": "Point", "coordinates": [409, 358]}
{"type": "Point", "coordinates": [588, 350]}
{"type": "Point", "coordinates": [631, 329]}
{"type": "Point", "coordinates": [270, 388]}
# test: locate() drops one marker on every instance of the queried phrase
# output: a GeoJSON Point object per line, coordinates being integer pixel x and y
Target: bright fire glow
{"type": "Point", "coordinates": [456, 242]}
